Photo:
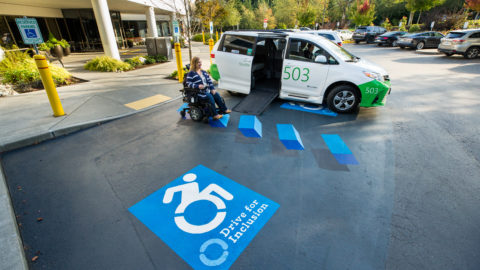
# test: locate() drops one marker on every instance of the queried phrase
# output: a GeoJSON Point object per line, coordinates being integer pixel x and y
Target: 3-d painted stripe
{"type": "Point", "coordinates": [335, 144]}
{"type": "Point", "coordinates": [311, 108]}
{"type": "Point", "coordinates": [184, 106]}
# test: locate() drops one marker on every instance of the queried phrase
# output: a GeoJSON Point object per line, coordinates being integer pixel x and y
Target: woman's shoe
{"type": "Point", "coordinates": [218, 116]}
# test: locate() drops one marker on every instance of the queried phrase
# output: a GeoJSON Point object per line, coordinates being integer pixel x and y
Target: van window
{"type": "Point", "coordinates": [329, 36]}
{"type": "Point", "coordinates": [237, 44]}
{"type": "Point", "coordinates": [475, 35]}
{"type": "Point", "coordinates": [302, 50]}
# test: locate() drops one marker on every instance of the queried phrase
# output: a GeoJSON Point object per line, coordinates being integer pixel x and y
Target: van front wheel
{"type": "Point", "coordinates": [343, 99]}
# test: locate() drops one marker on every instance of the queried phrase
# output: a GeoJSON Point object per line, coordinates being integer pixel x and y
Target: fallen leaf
{"type": "Point", "coordinates": [40, 219]}
{"type": "Point", "coordinates": [34, 258]}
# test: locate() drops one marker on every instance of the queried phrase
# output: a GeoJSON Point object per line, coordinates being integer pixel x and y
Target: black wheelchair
{"type": "Point", "coordinates": [198, 108]}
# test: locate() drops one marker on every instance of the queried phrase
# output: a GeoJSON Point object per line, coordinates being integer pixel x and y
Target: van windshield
{"type": "Point", "coordinates": [341, 52]}
{"type": "Point", "coordinates": [455, 35]}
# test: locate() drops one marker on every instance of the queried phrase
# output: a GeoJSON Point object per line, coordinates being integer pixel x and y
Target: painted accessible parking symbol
{"type": "Point", "coordinates": [206, 218]}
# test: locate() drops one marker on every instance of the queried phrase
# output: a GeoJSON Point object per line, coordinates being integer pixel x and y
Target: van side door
{"type": "Point", "coordinates": [302, 77]}
{"type": "Point", "coordinates": [234, 58]}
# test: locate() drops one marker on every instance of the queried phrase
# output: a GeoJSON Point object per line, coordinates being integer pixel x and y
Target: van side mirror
{"type": "Point", "coordinates": [321, 59]}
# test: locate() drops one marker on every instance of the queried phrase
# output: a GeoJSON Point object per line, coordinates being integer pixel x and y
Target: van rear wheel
{"type": "Point", "coordinates": [343, 99]}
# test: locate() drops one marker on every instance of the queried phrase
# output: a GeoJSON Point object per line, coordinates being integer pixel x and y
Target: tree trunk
{"type": "Point", "coordinates": [419, 14]}
{"type": "Point", "coordinates": [189, 36]}
{"type": "Point", "coordinates": [410, 19]}
{"type": "Point", "coordinates": [478, 13]}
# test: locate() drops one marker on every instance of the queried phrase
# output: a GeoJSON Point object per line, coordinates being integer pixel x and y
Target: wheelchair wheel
{"type": "Point", "coordinates": [196, 114]}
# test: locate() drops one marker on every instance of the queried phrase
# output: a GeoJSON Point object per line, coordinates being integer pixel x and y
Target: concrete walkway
{"type": "Point", "coordinates": [28, 118]}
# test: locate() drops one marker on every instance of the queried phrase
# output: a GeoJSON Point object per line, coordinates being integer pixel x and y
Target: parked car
{"type": "Point", "coordinates": [389, 38]}
{"type": "Point", "coordinates": [344, 34]}
{"type": "Point", "coordinates": [464, 42]}
{"type": "Point", "coordinates": [420, 40]}
{"type": "Point", "coordinates": [367, 33]}
{"type": "Point", "coordinates": [329, 34]}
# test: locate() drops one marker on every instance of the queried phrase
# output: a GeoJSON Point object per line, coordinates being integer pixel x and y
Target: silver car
{"type": "Point", "coordinates": [464, 42]}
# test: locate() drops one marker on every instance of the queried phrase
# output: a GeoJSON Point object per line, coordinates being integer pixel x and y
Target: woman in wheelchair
{"type": "Point", "coordinates": [199, 79]}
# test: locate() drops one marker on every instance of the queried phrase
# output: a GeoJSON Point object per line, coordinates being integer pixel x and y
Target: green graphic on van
{"type": "Point", "coordinates": [249, 51]}
{"type": "Point", "coordinates": [374, 93]}
{"type": "Point", "coordinates": [296, 74]}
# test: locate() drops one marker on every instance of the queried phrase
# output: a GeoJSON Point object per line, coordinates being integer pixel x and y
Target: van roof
{"type": "Point", "coordinates": [280, 33]}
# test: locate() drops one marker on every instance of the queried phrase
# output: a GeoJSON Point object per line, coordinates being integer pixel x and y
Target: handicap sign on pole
{"type": "Point", "coordinates": [29, 30]}
{"type": "Point", "coordinates": [205, 217]}
{"type": "Point", "coordinates": [211, 28]}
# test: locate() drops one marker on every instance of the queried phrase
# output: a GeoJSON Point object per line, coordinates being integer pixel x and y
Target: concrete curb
{"type": "Point", "coordinates": [52, 134]}
{"type": "Point", "coordinates": [11, 249]}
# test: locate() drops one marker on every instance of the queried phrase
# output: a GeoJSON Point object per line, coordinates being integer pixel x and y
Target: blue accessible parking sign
{"type": "Point", "coordinates": [206, 218]}
{"type": "Point", "coordinates": [29, 30]}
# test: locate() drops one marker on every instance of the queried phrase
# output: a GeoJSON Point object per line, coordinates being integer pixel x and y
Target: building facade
{"type": "Point", "coordinates": [91, 25]}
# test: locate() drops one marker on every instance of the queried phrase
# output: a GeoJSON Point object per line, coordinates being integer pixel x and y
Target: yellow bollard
{"type": "Point", "coordinates": [178, 57]}
{"type": "Point", "coordinates": [216, 35]}
{"type": "Point", "coordinates": [210, 45]}
{"type": "Point", "coordinates": [203, 37]}
{"type": "Point", "coordinates": [49, 85]}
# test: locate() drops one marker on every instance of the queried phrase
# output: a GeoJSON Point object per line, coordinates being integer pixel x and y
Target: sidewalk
{"type": "Point", "coordinates": [27, 119]}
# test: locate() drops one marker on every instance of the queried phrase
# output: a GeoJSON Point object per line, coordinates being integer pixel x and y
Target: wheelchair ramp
{"type": "Point", "coordinates": [259, 98]}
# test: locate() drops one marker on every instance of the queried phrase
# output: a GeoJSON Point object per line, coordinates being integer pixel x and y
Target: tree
{"type": "Point", "coordinates": [248, 20]}
{"type": "Point", "coordinates": [419, 5]}
{"type": "Point", "coordinates": [337, 10]}
{"type": "Point", "coordinates": [285, 12]}
{"type": "Point", "coordinates": [306, 17]}
{"type": "Point", "coordinates": [232, 16]}
{"type": "Point", "coordinates": [474, 5]}
{"type": "Point", "coordinates": [210, 11]}
{"type": "Point", "coordinates": [265, 12]}
{"type": "Point", "coordinates": [362, 13]}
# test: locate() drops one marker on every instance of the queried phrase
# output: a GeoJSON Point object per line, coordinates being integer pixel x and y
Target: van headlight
{"type": "Point", "coordinates": [374, 75]}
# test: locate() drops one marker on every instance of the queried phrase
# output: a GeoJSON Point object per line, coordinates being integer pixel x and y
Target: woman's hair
{"type": "Point", "coordinates": [194, 63]}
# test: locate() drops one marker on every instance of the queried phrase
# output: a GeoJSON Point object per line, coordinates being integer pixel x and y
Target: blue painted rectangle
{"type": "Point", "coordinates": [205, 217]}
{"type": "Point", "coordinates": [311, 108]}
{"type": "Point", "coordinates": [335, 144]}
{"type": "Point", "coordinates": [250, 126]}
{"type": "Point", "coordinates": [289, 136]}
{"type": "Point", "coordinates": [222, 122]}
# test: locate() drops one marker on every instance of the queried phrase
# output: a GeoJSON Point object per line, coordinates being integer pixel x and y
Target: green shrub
{"type": "Point", "coordinates": [18, 68]}
{"type": "Point", "coordinates": [43, 47]}
{"type": "Point", "coordinates": [414, 28]}
{"type": "Point", "coordinates": [181, 41]}
{"type": "Point", "coordinates": [281, 26]}
{"type": "Point", "coordinates": [64, 43]}
{"type": "Point", "coordinates": [198, 37]}
{"type": "Point", "coordinates": [135, 61]}
{"type": "Point", "coordinates": [404, 24]}
{"type": "Point", "coordinates": [174, 74]}
{"type": "Point", "coordinates": [160, 58]}
{"type": "Point", "coordinates": [150, 60]}
{"type": "Point", "coordinates": [387, 25]}
{"type": "Point", "coordinates": [107, 64]}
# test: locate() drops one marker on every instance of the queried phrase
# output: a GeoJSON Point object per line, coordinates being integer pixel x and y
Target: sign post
{"type": "Point", "coordinates": [210, 42]}
{"type": "Point", "coordinates": [465, 25]}
{"type": "Point", "coordinates": [431, 26]}
{"type": "Point", "coordinates": [31, 34]}
{"type": "Point", "coordinates": [265, 23]}
{"type": "Point", "coordinates": [178, 51]}
{"type": "Point", "coordinates": [30, 31]}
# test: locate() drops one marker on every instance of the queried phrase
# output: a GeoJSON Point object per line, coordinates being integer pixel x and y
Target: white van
{"type": "Point", "coordinates": [296, 66]}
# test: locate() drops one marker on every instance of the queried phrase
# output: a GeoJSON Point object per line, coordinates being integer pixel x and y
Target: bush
{"type": "Point", "coordinates": [64, 43]}
{"type": "Point", "coordinates": [135, 61]}
{"type": "Point", "coordinates": [387, 25]}
{"type": "Point", "coordinates": [160, 58]}
{"type": "Point", "coordinates": [198, 37]}
{"type": "Point", "coordinates": [107, 64]}
{"type": "Point", "coordinates": [43, 47]}
{"type": "Point", "coordinates": [130, 43]}
{"type": "Point", "coordinates": [414, 28]}
{"type": "Point", "coordinates": [18, 68]}
{"type": "Point", "coordinates": [174, 74]}
{"type": "Point", "coordinates": [150, 60]}
{"type": "Point", "coordinates": [181, 41]}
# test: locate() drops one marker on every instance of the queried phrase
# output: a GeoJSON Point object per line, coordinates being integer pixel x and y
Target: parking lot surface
{"type": "Point", "coordinates": [411, 202]}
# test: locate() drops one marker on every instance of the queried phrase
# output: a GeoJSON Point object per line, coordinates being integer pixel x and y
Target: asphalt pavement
{"type": "Point", "coordinates": [410, 202]}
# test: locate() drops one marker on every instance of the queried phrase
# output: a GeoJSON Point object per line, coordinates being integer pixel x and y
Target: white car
{"type": "Point", "coordinates": [297, 66]}
{"type": "Point", "coordinates": [329, 34]}
{"type": "Point", "coordinates": [345, 34]}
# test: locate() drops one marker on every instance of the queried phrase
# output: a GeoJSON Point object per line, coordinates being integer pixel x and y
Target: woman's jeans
{"type": "Point", "coordinates": [212, 99]}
